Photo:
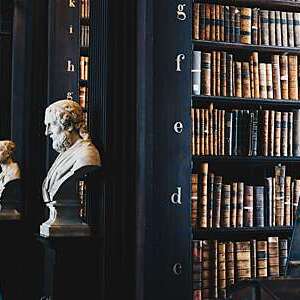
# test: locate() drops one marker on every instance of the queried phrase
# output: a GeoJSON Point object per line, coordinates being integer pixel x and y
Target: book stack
{"type": "Point", "coordinates": [219, 73]}
{"type": "Point", "coordinates": [217, 202]}
{"type": "Point", "coordinates": [245, 132]}
{"type": "Point", "coordinates": [84, 67]}
{"type": "Point", "coordinates": [218, 265]}
{"type": "Point", "coordinates": [255, 26]}
{"type": "Point", "coordinates": [85, 9]}
{"type": "Point", "coordinates": [84, 36]}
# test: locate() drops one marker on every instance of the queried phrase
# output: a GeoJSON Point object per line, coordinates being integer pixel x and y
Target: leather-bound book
{"type": "Point", "coordinates": [203, 21]}
{"type": "Point", "coordinates": [226, 24]}
{"type": "Point", "coordinates": [206, 131]}
{"type": "Point", "coordinates": [284, 76]}
{"type": "Point", "coordinates": [248, 206]}
{"type": "Point", "coordinates": [269, 81]}
{"type": "Point", "coordinates": [246, 25]}
{"type": "Point", "coordinates": [290, 133]}
{"type": "Point", "coordinates": [202, 132]}
{"type": "Point", "coordinates": [212, 22]}
{"type": "Point", "coordinates": [196, 73]}
{"type": "Point", "coordinates": [197, 269]}
{"type": "Point", "coordinates": [263, 80]}
{"type": "Point", "coordinates": [217, 24]}
{"type": "Point", "coordinates": [293, 77]}
{"type": "Point", "coordinates": [265, 133]}
{"type": "Point", "coordinates": [271, 136]}
{"type": "Point", "coordinates": [284, 134]}
{"type": "Point", "coordinates": [233, 204]}
{"type": "Point", "coordinates": [206, 269]}
{"type": "Point", "coordinates": [211, 130]}
{"type": "Point", "coordinates": [206, 74]}
{"type": "Point", "coordinates": [194, 199]}
{"type": "Point", "coordinates": [276, 76]}
{"type": "Point", "coordinates": [240, 205]}
{"type": "Point", "coordinates": [215, 131]}
{"type": "Point", "coordinates": [297, 28]}
{"type": "Point", "coordinates": [237, 24]}
{"type": "Point", "coordinates": [221, 270]}
{"type": "Point", "coordinates": [256, 75]}
{"type": "Point", "coordinates": [232, 24]}
{"type": "Point", "coordinates": [238, 79]}
{"type": "Point", "coordinates": [202, 194]}
{"type": "Point", "coordinates": [287, 201]}
{"type": "Point", "coordinates": [222, 132]}
{"type": "Point", "coordinates": [243, 260]}
{"type": "Point", "coordinates": [296, 136]}
{"type": "Point", "coordinates": [207, 21]}
{"type": "Point", "coordinates": [283, 255]}
{"type": "Point", "coordinates": [222, 23]}
{"type": "Point", "coordinates": [235, 122]}
{"type": "Point", "coordinates": [264, 27]}
{"type": "Point", "coordinates": [296, 197]}
{"type": "Point", "coordinates": [228, 132]}
{"type": "Point", "coordinates": [290, 21]}
{"type": "Point", "coordinates": [273, 257]}
{"type": "Point", "coordinates": [210, 199]}
{"type": "Point", "coordinates": [272, 28]}
{"type": "Point", "coordinates": [253, 259]}
{"type": "Point", "coordinates": [284, 29]}
{"type": "Point", "coordinates": [277, 134]}
{"type": "Point", "coordinates": [213, 73]}
{"type": "Point", "coordinates": [214, 270]}
{"type": "Point", "coordinates": [217, 201]}
{"type": "Point", "coordinates": [254, 31]}
{"type": "Point", "coordinates": [279, 195]}
{"type": "Point", "coordinates": [225, 206]}
{"type": "Point", "coordinates": [229, 74]}
{"type": "Point", "coordinates": [197, 131]}
{"type": "Point", "coordinates": [193, 131]}
{"type": "Point", "coordinates": [218, 73]}
{"type": "Point", "coordinates": [278, 28]}
{"type": "Point", "coordinates": [262, 258]}
{"type": "Point", "coordinates": [259, 206]}
{"type": "Point", "coordinates": [268, 199]}
{"type": "Point", "coordinates": [230, 264]}
{"type": "Point", "coordinates": [223, 75]}
{"type": "Point", "coordinates": [246, 88]}
{"type": "Point", "coordinates": [196, 21]}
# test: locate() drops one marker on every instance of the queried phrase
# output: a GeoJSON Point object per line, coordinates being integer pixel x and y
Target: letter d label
{"type": "Point", "coordinates": [176, 197]}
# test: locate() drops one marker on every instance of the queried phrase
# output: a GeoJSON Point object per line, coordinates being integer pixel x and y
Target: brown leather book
{"type": "Point", "coordinates": [284, 29]}
{"type": "Point", "coordinates": [248, 206]}
{"type": "Point", "coordinates": [290, 133]}
{"type": "Point", "coordinates": [284, 133]}
{"type": "Point", "coordinates": [211, 130]}
{"type": "Point", "coordinates": [217, 201]}
{"type": "Point", "coordinates": [222, 132]}
{"type": "Point", "coordinates": [240, 205]}
{"type": "Point", "coordinates": [276, 76]}
{"type": "Point", "coordinates": [277, 134]}
{"type": "Point", "coordinates": [272, 28]}
{"type": "Point", "coordinates": [232, 10]}
{"type": "Point", "coordinates": [196, 21]}
{"type": "Point", "coordinates": [284, 76]}
{"type": "Point", "coordinates": [206, 131]}
{"type": "Point", "coordinates": [263, 80]}
{"type": "Point", "coordinates": [287, 201]}
{"type": "Point", "coordinates": [297, 28]}
{"type": "Point", "coordinates": [279, 195]}
{"type": "Point", "coordinates": [238, 79]}
{"type": "Point", "coordinates": [273, 257]}
{"type": "Point", "coordinates": [213, 73]}
{"type": "Point", "coordinates": [206, 269]}
{"type": "Point", "coordinates": [193, 131]}
{"type": "Point", "coordinates": [233, 204]}
{"type": "Point", "coordinates": [251, 76]}
{"type": "Point", "coordinates": [206, 74]}
{"type": "Point", "coordinates": [243, 260]}
{"type": "Point", "coordinates": [207, 21]}
{"type": "Point", "coordinates": [269, 81]}
{"type": "Point", "coordinates": [246, 25]}
{"type": "Point", "coordinates": [194, 199]}
{"type": "Point", "coordinates": [202, 133]}
{"type": "Point", "coordinates": [293, 77]}
{"type": "Point", "coordinates": [197, 131]}
{"type": "Point", "coordinates": [265, 133]}
{"type": "Point", "coordinates": [223, 75]}
{"type": "Point", "coordinates": [296, 197]}
{"type": "Point", "coordinates": [202, 194]}
{"type": "Point", "coordinates": [254, 31]}
{"type": "Point", "coordinates": [264, 27]}
{"type": "Point", "coordinates": [197, 269]}
{"type": "Point", "coordinates": [271, 132]}
{"type": "Point", "coordinates": [254, 55]}
{"type": "Point", "coordinates": [296, 131]}
{"type": "Point", "coordinates": [246, 88]}
{"type": "Point", "coordinates": [217, 25]}
{"type": "Point", "coordinates": [221, 270]}
{"type": "Point", "coordinates": [214, 270]}
{"type": "Point", "coordinates": [218, 73]}
{"type": "Point", "coordinates": [222, 21]}
{"type": "Point", "coordinates": [203, 21]}
{"type": "Point", "coordinates": [262, 258]}
{"type": "Point", "coordinates": [212, 22]}
{"type": "Point", "coordinates": [253, 259]}
{"type": "Point", "coordinates": [283, 255]}
{"type": "Point", "coordinates": [230, 264]}
{"type": "Point", "coordinates": [278, 28]}
{"type": "Point", "coordinates": [225, 205]}
{"type": "Point", "coordinates": [210, 199]}
{"type": "Point", "coordinates": [290, 21]}
{"type": "Point", "coordinates": [215, 130]}
{"type": "Point", "coordinates": [229, 74]}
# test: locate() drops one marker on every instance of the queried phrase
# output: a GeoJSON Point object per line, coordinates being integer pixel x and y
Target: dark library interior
{"type": "Point", "coordinates": [150, 149]}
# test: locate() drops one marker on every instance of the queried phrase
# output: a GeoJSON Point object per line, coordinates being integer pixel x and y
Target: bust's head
{"type": "Point", "coordinates": [7, 149]}
{"type": "Point", "coordinates": [65, 124]}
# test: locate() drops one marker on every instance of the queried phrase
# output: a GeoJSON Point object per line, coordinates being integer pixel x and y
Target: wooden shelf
{"type": "Point", "coordinates": [270, 4]}
{"type": "Point", "coordinates": [198, 101]}
{"type": "Point", "coordinates": [225, 159]}
{"type": "Point", "coordinates": [237, 47]}
{"type": "Point", "coordinates": [241, 233]}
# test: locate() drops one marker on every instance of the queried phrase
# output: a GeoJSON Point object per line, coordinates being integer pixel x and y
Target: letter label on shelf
{"type": "Point", "coordinates": [181, 15]}
{"type": "Point", "coordinates": [179, 59]}
{"type": "Point", "coordinates": [176, 197]}
{"type": "Point", "coordinates": [71, 3]}
{"type": "Point", "coordinates": [178, 127]}
{"type": "Point", "coordinates": [69, 95]}
{"type": "Point", "coordinates": [70, 67]}
{"type": "Point", "coordinates": [177, 269]}
{"type": "Point", "coordinates": [71, 29]}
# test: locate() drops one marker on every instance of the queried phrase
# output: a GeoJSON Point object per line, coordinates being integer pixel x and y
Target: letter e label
{"type": "Point", "coordinates": [178, 127]}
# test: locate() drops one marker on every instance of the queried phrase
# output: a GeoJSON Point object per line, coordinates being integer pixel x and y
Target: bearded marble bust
{"type": "Point", "coordinates": [65, 125]}
{"type": "Point", "coordinates": [10, 169]}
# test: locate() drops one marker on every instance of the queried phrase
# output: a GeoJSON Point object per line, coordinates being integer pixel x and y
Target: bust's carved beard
{"type": "Point", "coordinates": [61, 142]}
{"type": "Point", "coordinates": [4, 158]}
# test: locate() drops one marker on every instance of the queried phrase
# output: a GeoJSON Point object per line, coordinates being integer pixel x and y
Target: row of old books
{"type": "Point", "coordinates": [218, 265]}
{"type": "Point", "coordinates": [219, 73]}
{"type": "Point", "coordinates": [217, 202]}
{"type": "Point", "coordinates": [85, 9]}
{"type": "Point", "coordinates": [85, 36]}
{"type": "Point", "coordinates": [84, 67]}
{"type": "Point", "coordinates": [245, 25]}
{"type": "Point", "coordinates": [245, 132]}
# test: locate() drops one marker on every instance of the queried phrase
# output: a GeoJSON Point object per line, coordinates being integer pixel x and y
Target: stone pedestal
{"type": "Point", "coordinates": [71, 268]}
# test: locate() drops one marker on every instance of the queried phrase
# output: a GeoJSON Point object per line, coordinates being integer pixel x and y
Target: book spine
{"type": "Point", "coordinates": [221, 271]}
{"type": "Point", "coordinates": [203, 21]}
{"type": "Point", "coordinates": [206, 74]}
{"type": "Point", "coordinates": [246, 25]}
{"type": "Point", "coordinates": [271, 132]}
{"type": "Point", "coordinates": [277, 139]}
{"type": "Point", "coordinates": [215, 130]}
{"type": "Point", "coordinates": [202, 132]}
{"type": "Point", "coordinates": [256, 75]}
{"type": "Point", "coordinates": [237, 25]}
{"type": "Point", "coordinates": [262, 258]}
{"type": "Point", "coordinates": [265, 132]}
{"type": "Point", "coordinates": [210, 199]}
{"type": "Point", "coordinates": [233, 204]}
{"type": "Point", "coordinates": [206, 130]}
{"type": "Point", "coordinates": [268, 201]}
{"type": "Point", "coordinates": [287, 201]}
{"type": "Point", "coordinates": [284, 134]}
{"type": "Point", "coordinates": [269, 81]}
{"type": "Point", "coordinates": [273, 257]}
{"type": "Point", "coordinates": [290, 133]}
{"type": "Point", "coordinates": [253, 259]}
{"type": "Point", "coordinates": [254, 134]}
{"type": "Point", "coordinates": [222, 23]}
{"type": "Point", "coordinates": [283, 255]}
{"type": "Point", "coordinates": [254, 27]}
{"type": "Point", "coordinates": [223, 76]}
{"type": "Point", "coordinates": [217, 25]}
{"type": "Point", "coordinates": [193, 131]}
{"type": "Point", "coordinates": [284, 77]}
{"type": "Point", "coordinates": [290, 21]}
{"type": "Point", "coordinates": [248, 206]}
{"type": "Point", "coordinates": [276, 76]}
{"type": "Point", "coordinates": [207, 21]}
{"type": "Point", "coordinates": [217, 201]}
{"type": "Point", "coordinates": [194, 200]}
{"type": "Point", "coordinates": [197, 131]}
{"type": "Point", "coordinates": [278, 28]}
{"type": "Point", "coordinates": [246, 88]}
{"type": "Point", "coordinates": [279, 196]}
{"type": "Point", "coordinates": [197, 269]}
{"type": "Point", "coordinates": [293, 77]}
{"type": "Point", "coordinates": [243, 260]}
{"type": "Point", "coordinates": [264, 27]}
{"type": "Point", "coordinates": [213, 73]}
{"type": "Point", "coordinates": [240, 205]}
{"type": "Point", "coordinates": [225, 206]}
{"type": "Point", "coordinates": [235, 132]}
{"type": "Point", "coordinates": [259, 205]}
{"type": "Point", "coordinates": [211, 131]}
{"type": "Point", "coordinates": [297, 28]}
{"type": "Point", "coordinates": [296, 198]}
{"type": "Point", "coordinates": [228, 133]}
{"type": "Point", "coordinates": [229, 74]}
{"type": "Point", "coordinates": [238, 79]}
{"type": "Point", "coordinates": [214, 270]}
{"type": "Point", "coordinates": [263, 81]}
{"type": "Point", "coordinates": [296, 136]}
{"type": "Point", "coordinates": [212, 22]}
{"type": "Point", "coordinates": [202, 194]}
{"type": "Point", "coordinates": [272, 28]}
{"type": "Point", "coordinates": [223, 132]}
{"type": "Point", "coordinates": [284, 29]}
{"type": "Point", "coordinates": [206, 269]}
{"type": "Point", "coordinates": [196, 73]}
{"type": "Point", "coordinates": [196, 21]}
{"type": "Point", "coordinates": [230, 264]}
{"type": "Point", "coordinates": [226, 24]}
{"type": "Point", "coordinates": [232, 24]}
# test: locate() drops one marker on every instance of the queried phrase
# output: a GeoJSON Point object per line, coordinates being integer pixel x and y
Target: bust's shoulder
{"type": "Point", "coordinates": [86, 155]}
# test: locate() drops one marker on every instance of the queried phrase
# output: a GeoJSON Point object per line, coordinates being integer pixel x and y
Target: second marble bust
{"type": "Point", "coordinates": [65, 125]}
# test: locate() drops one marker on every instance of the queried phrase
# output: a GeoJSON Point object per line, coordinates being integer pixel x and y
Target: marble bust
{"type": "Point", "coordinates": [9, 181]}
{"type": "Point", "coordinates": [65, 125]}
